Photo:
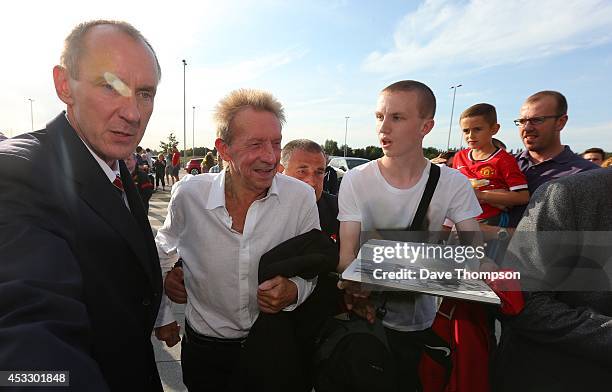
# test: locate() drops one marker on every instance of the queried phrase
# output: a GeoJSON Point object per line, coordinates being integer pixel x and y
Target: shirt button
{"type": "Point", "coordinates": [146, 302]}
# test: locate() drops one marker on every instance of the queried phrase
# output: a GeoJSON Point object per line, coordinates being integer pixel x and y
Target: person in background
{"type": "Point", "coordinates": [176, 164]}
{"type": "Point", "coordinates": [305, 160]}
{"type": "Point", "coordinates": [499, 144]}
{"type": "Point", "coordinates": [169, 169]}
{"type": "Point", "coordinates": [444, 158]}
{"type": "Point", "coordinates": [607, 162]}
{"type": "Point", "coordinates": [496, 178]}
{"type": "Point", "coordinates": [160, 169]}
{"type": "Point", "coordinates": [141, 180]}
{"type": "Point", "coordinates": [141, 160]}
{"type": "Point", "coordinates": [595, 155]}
{"type": "Point", "coordinates": [208, 162]}
{"type": "Point", "coordinates": [218, 167]}
{"type": "Point", "coordinates": [330, 182]}
{"type": "Point", "coordinates": [542, 118]}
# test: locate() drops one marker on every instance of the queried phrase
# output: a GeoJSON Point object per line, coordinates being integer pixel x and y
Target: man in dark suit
{"type": "Point", "coordinates": [79, 274]}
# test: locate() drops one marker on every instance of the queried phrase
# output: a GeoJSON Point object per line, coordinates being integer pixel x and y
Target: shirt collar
{"type": "Point", "coordinates": [563, 157]}
{"type": "Point", "coordinates": [216, 197]}
{"type": "Point", "coordinates": [111, 173]}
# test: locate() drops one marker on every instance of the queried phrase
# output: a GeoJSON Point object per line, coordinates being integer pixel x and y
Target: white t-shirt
{"type": "Point", "coordinates": [366, 197]}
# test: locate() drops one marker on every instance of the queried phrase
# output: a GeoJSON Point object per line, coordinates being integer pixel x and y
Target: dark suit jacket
{"type": "Point", "coordinates": [279, 347]}
{"type": "Point", "coordinates": [562, 339]}
{"type": "Point", "coordinates": [328, 215]}
{"type": "Point", "coordinates": [80, 280]}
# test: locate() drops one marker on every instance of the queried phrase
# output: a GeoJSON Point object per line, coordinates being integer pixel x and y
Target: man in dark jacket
{"type": "Point", "coordinates": [562, 340]}
{"type": "Point", "coordinates": [305, 160]}
{"type": "Point", "coordinates": [80, 282]}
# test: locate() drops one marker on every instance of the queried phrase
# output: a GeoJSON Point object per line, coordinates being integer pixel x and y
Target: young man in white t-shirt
{"type": "Point", "coordinates": [384, 194]}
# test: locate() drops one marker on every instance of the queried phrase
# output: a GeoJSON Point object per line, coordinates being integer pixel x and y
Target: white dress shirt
{"type": "Point", "coordinates": [220, 264]}
{"type": "Point", "coordinates": [110, 172]}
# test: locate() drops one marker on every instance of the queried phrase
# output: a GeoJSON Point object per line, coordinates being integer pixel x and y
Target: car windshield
{"type": "Point", "coordinates": [355, 162]}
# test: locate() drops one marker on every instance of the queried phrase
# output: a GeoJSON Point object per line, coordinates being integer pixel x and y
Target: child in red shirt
{"type": "Point", "coordinates": [495, 175]}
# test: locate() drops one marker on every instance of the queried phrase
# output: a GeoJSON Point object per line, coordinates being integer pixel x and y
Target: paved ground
{"type": "Point", "coordinates": [168, 359]}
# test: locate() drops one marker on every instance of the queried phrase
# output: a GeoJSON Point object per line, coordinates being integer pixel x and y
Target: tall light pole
{"type": "Point", "coordinates": [450, 125]}
{"type": "Point", "coordinates": [193, 131]}
{"type": "Point", "coordinates": [31, 113]}
{"type": "Point", "coordinates": [345, 132]}
{"type": "Point", "coordinates": [184, 112]}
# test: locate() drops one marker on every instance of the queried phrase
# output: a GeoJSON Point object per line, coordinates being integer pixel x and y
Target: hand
{"type": "Point", "coordinates": [169, 333]}
{"type": "Point", "coordinates": [275, 294]}
{"type": "Point", "coordinates": [174, 286]}
{"type": "Point", "coordinates": [356, 299]}
{"type": "Point", "coordinates": [480, 195]}
{"type": "Point", "coordinates": [488, 232]}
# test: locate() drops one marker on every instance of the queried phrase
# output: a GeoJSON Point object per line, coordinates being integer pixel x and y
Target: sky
{"type": "Point", "coordinates": [327, 60]}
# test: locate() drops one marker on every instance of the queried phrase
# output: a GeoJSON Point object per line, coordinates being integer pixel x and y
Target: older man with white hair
{"type": "Point", "coordinates": [220, 225]}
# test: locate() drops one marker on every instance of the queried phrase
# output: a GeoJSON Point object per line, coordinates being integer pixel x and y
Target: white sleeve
{"type": "Point", "coordinates": [309, 221]}
{"type": "Point", "coordinates": [463, 203]}
{"type": "Point", "coordinates": [166, 240]}
{"type": "Point", "coordinates": [165, 315]}
{"type": "Point", "coordinates": [348, 210]}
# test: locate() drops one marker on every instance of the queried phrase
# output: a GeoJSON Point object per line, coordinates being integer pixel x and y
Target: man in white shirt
{"type": "Point", "coordinates": [220, 225]}
{"type": "Point", "coordinates": [404, 115]}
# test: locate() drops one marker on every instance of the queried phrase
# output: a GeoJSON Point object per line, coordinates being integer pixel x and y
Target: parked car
{"type": "Point", "coordinates": [344, 164]}
{"type": "Point", "coordinates": [194, 166]}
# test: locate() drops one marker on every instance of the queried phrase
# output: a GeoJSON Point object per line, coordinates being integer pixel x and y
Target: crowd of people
{"type": "Point", "coordinates": [253, 245]}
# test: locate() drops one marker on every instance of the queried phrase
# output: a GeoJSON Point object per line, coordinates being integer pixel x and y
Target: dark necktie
{"type": "Point", "coordinates": [118, 185]}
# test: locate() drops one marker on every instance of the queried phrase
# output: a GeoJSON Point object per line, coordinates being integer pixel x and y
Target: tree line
{"type": "Point", "coordinates": [330, 147]}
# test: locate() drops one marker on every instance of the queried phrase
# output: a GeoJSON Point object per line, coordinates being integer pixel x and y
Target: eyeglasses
{"type": "Point", "coordinates": [521, 122]}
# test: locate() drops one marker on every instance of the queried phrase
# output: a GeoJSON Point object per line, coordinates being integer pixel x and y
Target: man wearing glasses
{"type": "Point", "coordinates": [542, 117]}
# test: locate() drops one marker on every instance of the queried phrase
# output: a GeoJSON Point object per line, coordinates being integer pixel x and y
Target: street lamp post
{"type": "Point", "coordinates": [345, 132]}
{"type": "Point", "coordinates": [450, 125]}
{"type": "Point", "coordinates": [193, 131]}
{"type": "Point", "coordinates": [31, 113]}
{"type": "Point", "coordinates": [184, 111]}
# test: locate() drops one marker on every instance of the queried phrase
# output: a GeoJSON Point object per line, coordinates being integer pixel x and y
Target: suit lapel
{"type": "Point", "coordinates": [140, 216]}
{"type": "Point", "coordinates": [97, 191]}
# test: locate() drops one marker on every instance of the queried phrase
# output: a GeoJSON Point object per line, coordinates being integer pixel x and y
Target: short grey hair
{"type": "Point", "coordinates": [235, 101]}
{"type": "Point", "coordinates": [302, 145]}
{"type": "Point", "coordinates": [74, 44]}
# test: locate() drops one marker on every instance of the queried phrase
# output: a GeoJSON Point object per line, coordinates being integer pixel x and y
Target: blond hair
{"type": "Point", "coordinates": [74, 44]}
{"type": "Point", "coordinates": [235, 101]}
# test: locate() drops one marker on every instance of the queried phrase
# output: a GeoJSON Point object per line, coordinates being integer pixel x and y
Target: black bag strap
{"type": "Point", "coordinates": [430, 187]}
{"type": "Point", "coordinates": [417, 222]}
